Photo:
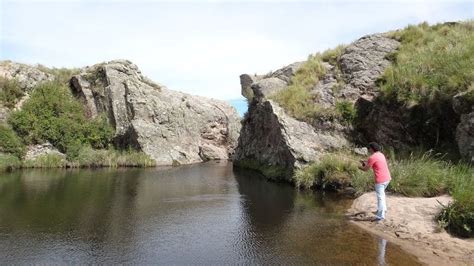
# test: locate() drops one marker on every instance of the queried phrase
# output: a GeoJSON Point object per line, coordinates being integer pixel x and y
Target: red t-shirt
{"type": "Point", "coordinates": [378, 162]}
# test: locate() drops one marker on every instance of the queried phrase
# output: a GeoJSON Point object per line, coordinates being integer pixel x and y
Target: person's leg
{"type": "Point", "coordinates": [379, 191]}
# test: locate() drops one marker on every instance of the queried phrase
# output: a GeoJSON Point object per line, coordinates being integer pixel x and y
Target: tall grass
{"type": "Point", "coordinates": [52, 160]}
{"type": "Point", "coordinates": [334, 171]}
{"type": "Point", "coordinates": [9, 162]}
{"type": "Point", "coordinates": [296, 99]}
{"type": "Point", "coordinates": [10, 142]}
{"type": "Point", "coordinates": [431, 64]}
{"type": "Point", "coordinates": [89, 157]}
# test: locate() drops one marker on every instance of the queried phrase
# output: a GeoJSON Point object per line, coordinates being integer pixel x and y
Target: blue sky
{"type": "Point", "coordinates": [200, 47]}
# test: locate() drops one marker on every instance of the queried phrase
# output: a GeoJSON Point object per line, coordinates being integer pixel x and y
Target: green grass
{"type": "Point", "coordinates": [10, 92]}
{"type": "Point", "coordinates": [333, 172]}
{"type": "Point", "coordinates": [297, 99]}
{"type": "Point", "coordinates": [61, 75]}
{"type": "Point", "coordinates": [53, 114]}
{"type": "Point", "coordinates": [9, 162]}
{"type": "Point", "coordinates": [88, 157]}
{"type": "Point", "coordinates": [10, 142]}
{"type": "Point", "coordinates": [431, 64]}
{"type": "Point", "coordinates": [46, 161]}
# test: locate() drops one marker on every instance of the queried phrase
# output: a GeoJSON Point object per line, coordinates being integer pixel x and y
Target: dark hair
{"type": "Point", "coordinates": [374, 146]}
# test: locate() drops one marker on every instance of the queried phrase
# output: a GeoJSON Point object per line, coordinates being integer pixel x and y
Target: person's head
{"type": "Point", "coordinates": [374, 147]}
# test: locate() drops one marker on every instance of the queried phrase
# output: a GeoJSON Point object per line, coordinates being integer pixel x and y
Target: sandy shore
{"type": "Point", "coordinates": [411, 224]}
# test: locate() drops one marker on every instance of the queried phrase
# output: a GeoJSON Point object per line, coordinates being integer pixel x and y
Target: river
{"type": "Point", "coordinates": [198, 214]}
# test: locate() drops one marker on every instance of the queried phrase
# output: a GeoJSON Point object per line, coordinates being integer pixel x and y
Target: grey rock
{"type": "Point", "coordinates": [269, 84]}
{"type": "Point", "coordinates": [272, 139]}
{"type": "Point", "coordinates": [463, 105]}
{"type": "Point", "coordinates": [34, 151]}
{"type": "Point", "coordinates": [361, 151]}
{"type": "Point", "coordinates": [268, 87]}
{"type": "Point", "coordinates": [170, 126]}
{"type": "Point", "coordinates": [364, 61]}
{"type": "Point", "coordinates": [27, 76]}
{"type": "Point", "coordinates": [465, 136]}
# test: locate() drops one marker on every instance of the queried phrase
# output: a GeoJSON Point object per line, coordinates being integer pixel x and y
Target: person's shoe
{"type": "Point", "coordinates": [378, 219]}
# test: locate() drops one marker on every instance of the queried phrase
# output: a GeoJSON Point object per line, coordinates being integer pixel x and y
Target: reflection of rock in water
{"type": "Point", "coordinates": [263, 203]}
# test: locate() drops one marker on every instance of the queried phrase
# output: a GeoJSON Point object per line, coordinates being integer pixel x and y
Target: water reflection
{"type": "Point", "coordinates": [199, 214]}
{"type": "Point", "coordinates": [381, 254]}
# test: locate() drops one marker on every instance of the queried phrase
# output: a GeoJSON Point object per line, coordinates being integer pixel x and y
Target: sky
{"type": "Point", "coordinates": [200, 47]}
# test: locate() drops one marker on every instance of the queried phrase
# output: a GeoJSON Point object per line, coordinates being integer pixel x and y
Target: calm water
{"type": "Point", "coordinates": [200, 214]}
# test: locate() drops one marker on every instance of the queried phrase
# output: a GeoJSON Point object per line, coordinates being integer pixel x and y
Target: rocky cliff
{"type": "Point", "coordinates": [172, 127]}
{"type": "Point", "coordinates": [275, 143]}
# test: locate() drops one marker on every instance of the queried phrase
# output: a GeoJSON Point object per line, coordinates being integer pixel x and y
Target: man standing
{"type": "Point", "coordinates": [379, 164]}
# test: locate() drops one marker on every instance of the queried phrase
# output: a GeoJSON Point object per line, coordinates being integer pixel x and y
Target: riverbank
{"type": "Point", "coordinates": [411, 223]}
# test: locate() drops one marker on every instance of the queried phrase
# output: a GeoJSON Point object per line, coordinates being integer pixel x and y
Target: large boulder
{"type": "Point", "coordinates": [276, 144]}
{"type": "Point", "coordinates": [170, 126]}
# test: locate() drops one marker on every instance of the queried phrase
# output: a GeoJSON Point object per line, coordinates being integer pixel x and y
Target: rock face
{"type": "Point", "coordinates": [364, 61]}
{"type": "Point", "coordinates": [172, 127]}
{"type": "Point", "coordinates": [464, 106]}
{"type": "Point", "coordinates": [276, 144]}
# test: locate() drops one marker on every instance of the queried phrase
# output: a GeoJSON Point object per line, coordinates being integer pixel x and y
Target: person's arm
{"type": "Point", "coordinates": [364, 166]}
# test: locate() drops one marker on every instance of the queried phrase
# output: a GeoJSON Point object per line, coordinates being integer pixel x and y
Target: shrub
{"type": "Point", "coordinates": [9, 162]}
{"type": "Point", "coordinates": [10, 92]}
{"type": "Point", "coordinates": [10, 142]}
{"type": "Point", "coordinates": [52, 114]}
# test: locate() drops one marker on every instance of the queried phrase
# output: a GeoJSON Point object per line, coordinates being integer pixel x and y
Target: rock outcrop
{"type": "Point", "coordinates": [26, 76]}
{"type": "Point", "coordinates": [170, 126]}
{"type": "Point", "coordinates": [269, 84]}
{"type": "Point", "coordinates": [275, 143]}
{"type": "Point", "coordinates": [35, 151]}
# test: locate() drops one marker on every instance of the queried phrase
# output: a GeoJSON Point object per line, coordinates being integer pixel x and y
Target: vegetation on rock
{"type": "Point", "coordinates": [10, 92]}
{"type": "Point", "coordinates": [433, 63]}
{"type": "Point", "coordinates": [52, 114]}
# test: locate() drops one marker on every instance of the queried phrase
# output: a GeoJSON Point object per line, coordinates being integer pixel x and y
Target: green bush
{"type": "Point", "coordinates": [10, 142]}
{"type": "Point", "coordinates": [51, 160]}
{"type": "Point", "coordinates": [52, 114]}
{"type": "Point", "coordinates": [10, 92]}
{"type": "Point", "coordinates": [431, 64]}
{"type": "Point", "coordinates": [9, 162]}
